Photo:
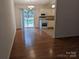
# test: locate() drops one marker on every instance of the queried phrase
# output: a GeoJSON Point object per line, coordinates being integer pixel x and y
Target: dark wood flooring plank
{"type": "Point", "coordinates": [36, 44]}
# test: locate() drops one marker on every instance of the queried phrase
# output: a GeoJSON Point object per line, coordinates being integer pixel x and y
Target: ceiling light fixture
{"type": "Point", "coordinates": [31, 7]}
{"type": "Point", "coordinates": [53, 6]}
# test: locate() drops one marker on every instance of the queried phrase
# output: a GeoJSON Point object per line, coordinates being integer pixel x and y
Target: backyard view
{"type": "Point", "coordinates": [28, 17]}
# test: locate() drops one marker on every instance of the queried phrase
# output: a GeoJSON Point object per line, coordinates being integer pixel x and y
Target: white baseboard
{"type": "Point", "coordinates": [11, 44]}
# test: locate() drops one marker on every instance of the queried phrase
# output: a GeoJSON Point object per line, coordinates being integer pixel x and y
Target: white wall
{"type": "Point", "coordinates": [18, 17]}
{"type": "Point", "coordinates": [7, 28]}
{"type": "Point", "coordinates": [38, 10]}
{"type": "Point", "coordinates": [67, 23]}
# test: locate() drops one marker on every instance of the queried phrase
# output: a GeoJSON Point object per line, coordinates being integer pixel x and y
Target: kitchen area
{"type": "Point", "coordinates": [47, 21]}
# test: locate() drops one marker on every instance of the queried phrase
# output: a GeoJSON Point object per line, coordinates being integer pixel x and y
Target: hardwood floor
{"type": "Point", "coordinates": [35, 44]}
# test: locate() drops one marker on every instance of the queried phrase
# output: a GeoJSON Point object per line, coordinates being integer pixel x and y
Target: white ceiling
{"type": "Point", "coordinates": [34, 1]}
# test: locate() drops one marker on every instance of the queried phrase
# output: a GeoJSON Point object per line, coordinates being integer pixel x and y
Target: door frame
{"type": "Point", "coordinates": [22, 17]}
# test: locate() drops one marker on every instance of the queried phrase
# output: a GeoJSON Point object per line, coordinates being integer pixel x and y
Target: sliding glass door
{"type": "Point", "coordinates": [28, 17]}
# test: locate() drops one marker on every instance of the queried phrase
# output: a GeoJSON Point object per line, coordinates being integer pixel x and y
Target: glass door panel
{"type": "Point", "coordinates": [28, 17]}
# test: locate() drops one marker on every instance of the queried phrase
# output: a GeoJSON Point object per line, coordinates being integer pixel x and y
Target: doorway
{"type": "Point", "coordinates": [28, 18]}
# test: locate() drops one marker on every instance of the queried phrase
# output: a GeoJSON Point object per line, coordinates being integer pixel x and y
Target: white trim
{"type": "Point", "coordinates": [11, 45]}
